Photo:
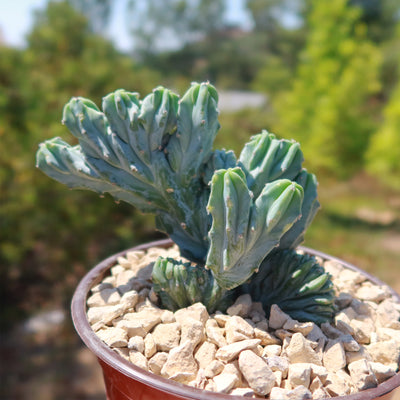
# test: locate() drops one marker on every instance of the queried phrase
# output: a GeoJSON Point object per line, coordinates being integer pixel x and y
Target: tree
{"type": "Point", "coordinates": [43, 235]}
{"type": "Point", "coordinates": [383, 155]}
{"type": "Point", "coordinates": [159, 26]}
{"type": "Point", "coordinates": [327, 108]}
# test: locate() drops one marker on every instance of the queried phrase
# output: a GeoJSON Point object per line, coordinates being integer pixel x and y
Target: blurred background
{"type": "Point", "coordinates": [326, 73]}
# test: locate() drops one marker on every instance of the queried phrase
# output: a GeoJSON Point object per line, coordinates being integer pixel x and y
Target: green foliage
{"type": "Point", "coordinates": [383, 155]}
{"type": "Point", "coordinates": [326, 109]}
{"type": "Point", "coordinates": [47, 239]}
{"type": "Point", "coordinates": [296, 283]}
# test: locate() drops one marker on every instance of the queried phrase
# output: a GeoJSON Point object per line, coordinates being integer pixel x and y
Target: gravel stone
{"type": "Point", "coordinates": [362, 375]}
{"type": "Point", "coordinates": [167, 336]}
{"type": "Point", "coordinates": [241, 307]}
{"type": "Point", "coordinates": [150, 347]}
{"type": "Point", "coordinates": [215, 334]}
{"type": "Point", "coordinates": [237, 329]}
{"type": "Point", "coordinates": [231, 351]}
{"type": "Point", "coordinates": [180, 365]}
{"type": "Point", "coordinates": [299, 374]}
{"type": "Point", "coordinates": [205, 354]}
{"type": "Point", "coordinates": [157, 362]}
{"type": "Point", "coordinates": [300, 351]}
{"type": "Point", "coordinates": [138, 359]}
{"type": "Point", "coordinates": [334, 357]}
{"type": "Point", "coordinates": [257, 373]}
{"type": "Point", "coordinates": [136, 343]}
{"type": "Point", "coordinates": [277, 317]}
{"type": "Point", "coordinates": [113, 337]}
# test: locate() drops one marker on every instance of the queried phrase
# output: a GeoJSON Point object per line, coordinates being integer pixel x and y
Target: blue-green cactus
{"type": "Point", "coordinates": [178, 283]}
{"type": "Point", "coordinates": [149, 153]}
{"type": "Point", "coordinates": [228, 215]}
{"type": "Point", "coordinates": [296, 283]}
{"type": "Point", "coordinates": [245, 229]}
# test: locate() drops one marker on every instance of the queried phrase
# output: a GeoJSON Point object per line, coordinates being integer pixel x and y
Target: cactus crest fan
{"type": "Point", "coordinates": [229, 216]}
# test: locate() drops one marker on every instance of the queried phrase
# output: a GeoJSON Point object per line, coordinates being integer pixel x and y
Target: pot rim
{"type": "Point", "coordinates": [104, 352]}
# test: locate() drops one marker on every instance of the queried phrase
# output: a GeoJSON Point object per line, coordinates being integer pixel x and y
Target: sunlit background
{"type": "Point", "coordinates": [325, 73]}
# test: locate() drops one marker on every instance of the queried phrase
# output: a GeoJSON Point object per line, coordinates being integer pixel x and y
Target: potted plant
{"type": "Point", "coordinates": [238, 223]}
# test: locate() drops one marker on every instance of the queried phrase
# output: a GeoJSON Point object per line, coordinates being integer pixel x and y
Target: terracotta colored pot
{"type": "Point", "coordinates": [125, 381]}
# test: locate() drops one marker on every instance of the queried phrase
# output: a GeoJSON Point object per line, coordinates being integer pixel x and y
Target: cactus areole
{"type": "Point", "coordinates": [238, 220]}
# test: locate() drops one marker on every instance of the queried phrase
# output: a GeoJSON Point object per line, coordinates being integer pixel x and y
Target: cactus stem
{"type": "Point", "coordinates": [165, 151]}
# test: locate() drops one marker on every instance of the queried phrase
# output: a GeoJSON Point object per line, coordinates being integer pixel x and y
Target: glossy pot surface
{"type": "Point", "coordinates": [125, 381]}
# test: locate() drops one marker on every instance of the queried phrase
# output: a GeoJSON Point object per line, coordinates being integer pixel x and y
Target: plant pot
{"type": "Point", "coordinates": [125, 381]}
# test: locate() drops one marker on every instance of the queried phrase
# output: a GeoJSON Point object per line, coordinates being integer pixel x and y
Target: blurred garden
{"type": "Point", "coordinates": [330, 74]}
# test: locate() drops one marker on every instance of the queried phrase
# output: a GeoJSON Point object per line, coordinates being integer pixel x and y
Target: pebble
{"type": "Point", "coordinates": [237, 329]}
{"type": "Point", "coordinates": [299, 374]}
{"type": "Point", "coordinates": [205, 354]}
{"type": "Point", "coordinates": [114, 337]}
{"type": "Point", "coordinates": [257, 373]}
{"type": "Point", "coordinates": [300, 351]}
{"type": "Point", "coordinates": [241, 307]}
{"type": "Point", "coordinates": [231, 351]}
{"type": "Point", "coordinates": [362, 375]}
{"type": "Point", "coordinates": [277, 317]}
{"type": "Point", "coordinates": [138, 359]}
{"type": "Point", "coordinates": [334, 357]}
{"type": "Point", "coordinates": [180, 365]}
{"type": "Point", "coordinates": [167, 336]}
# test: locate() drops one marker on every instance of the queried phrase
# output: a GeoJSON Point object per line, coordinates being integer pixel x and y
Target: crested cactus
{"type": "Point", "coordinates": [296, 283]}
{"type": "Point", "coordinates": [229, 216]}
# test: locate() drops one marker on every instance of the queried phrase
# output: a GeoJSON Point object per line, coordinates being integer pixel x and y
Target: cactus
{"type": "Point", "coordinates": [244, 230]}
{"type": "Point", "coordinates": [229, 216]}
{"type": "Point", "coordinates": [181, 284]}
{"type": "Point", "coordinates": [296, 283]}
{"type": "Point", "coordinates": [149, 153]}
